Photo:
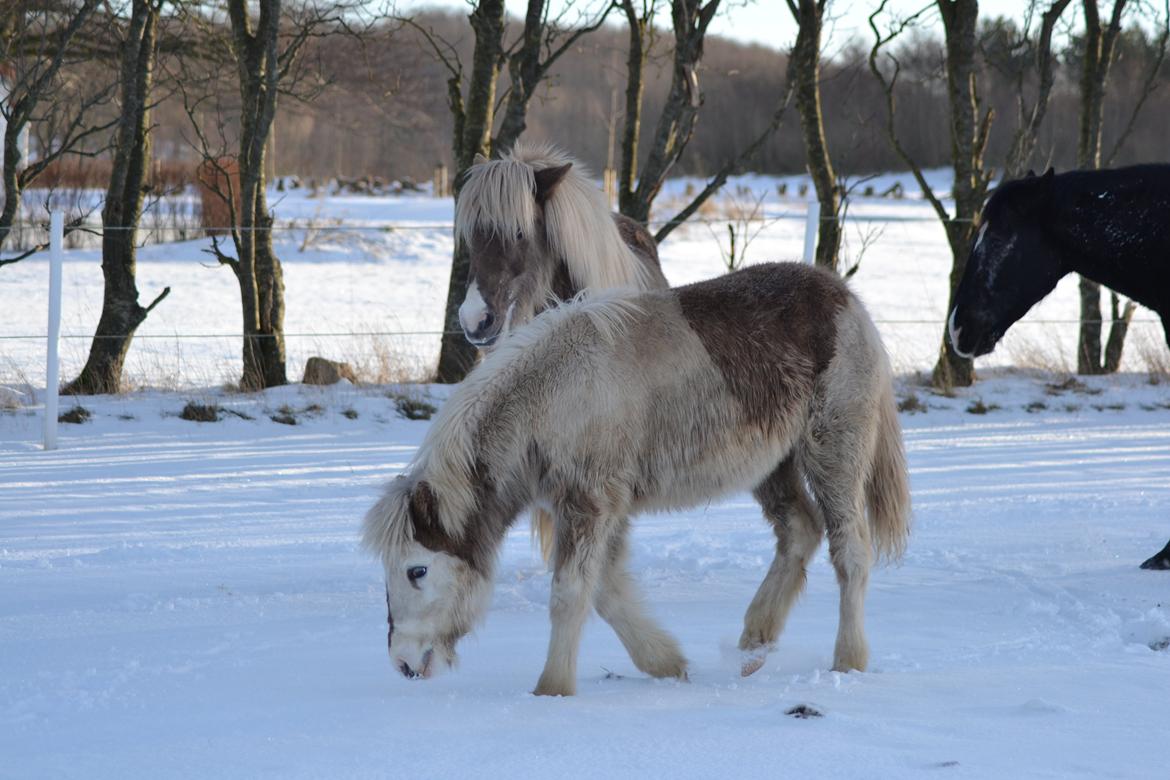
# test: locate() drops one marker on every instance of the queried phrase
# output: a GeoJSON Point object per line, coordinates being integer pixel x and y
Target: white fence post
{"type": "Point", "coordinates": [56, 258]}
{"type": "Point", "coordinates": [812, 225]}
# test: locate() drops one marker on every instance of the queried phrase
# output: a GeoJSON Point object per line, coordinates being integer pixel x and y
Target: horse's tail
{"type": "Point", "coordinates": [887, 489]}
{"type": "Point", "coordinates": [543, 532]}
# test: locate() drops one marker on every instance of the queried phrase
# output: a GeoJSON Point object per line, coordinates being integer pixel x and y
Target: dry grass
{"type": "Point", "coordinates": [388, 360]}
{"type": "Point", "coordinates": [1042, 353]}
{"type": "Point", "coordinates": [1153, 355]}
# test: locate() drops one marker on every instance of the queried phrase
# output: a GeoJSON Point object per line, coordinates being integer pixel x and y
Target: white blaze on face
{"type": "Point", "coordinates": [954, 334]}
{"type": "Point", "coordinates": [473, 309]}
{"type": "Point", "coordinates": [979, 236]}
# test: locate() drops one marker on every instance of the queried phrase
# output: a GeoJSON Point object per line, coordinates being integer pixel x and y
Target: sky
{"type": "Point", "coordinates": [768, 22]}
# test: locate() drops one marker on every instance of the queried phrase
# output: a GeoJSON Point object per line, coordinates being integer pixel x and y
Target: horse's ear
{"type": "Point", "coordinates": [479, 159]}
{"type": "Point", "coordinates": [1048, 174]}
{"type": "Point", "coordinates": [424, 507]}
{"type": "Point", "coordinates": [548, 179]}
{"type": "Point", "coordinates": [1031, 174]}
{"type": "Point", "coordinates": [1034, 198]}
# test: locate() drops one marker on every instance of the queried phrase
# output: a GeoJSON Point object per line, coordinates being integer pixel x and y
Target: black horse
{"type": "Point", "coordinates": [1112, 226]}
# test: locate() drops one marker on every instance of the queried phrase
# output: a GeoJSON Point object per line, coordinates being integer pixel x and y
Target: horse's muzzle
{"type": "Point", "coordinates": [424, 670]}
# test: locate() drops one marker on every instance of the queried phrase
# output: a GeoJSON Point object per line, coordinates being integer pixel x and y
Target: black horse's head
{"type": "Point", "coordinates": [1012, 265]}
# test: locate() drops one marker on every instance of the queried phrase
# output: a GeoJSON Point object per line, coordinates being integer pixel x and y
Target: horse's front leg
{"type": "Point", "coordinates": [578, 556]}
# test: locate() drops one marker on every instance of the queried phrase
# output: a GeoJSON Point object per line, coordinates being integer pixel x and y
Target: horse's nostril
{"type": "Point", "coordinates": [407, 672]}
{"type": "Point", "coordinates": [486, 322]}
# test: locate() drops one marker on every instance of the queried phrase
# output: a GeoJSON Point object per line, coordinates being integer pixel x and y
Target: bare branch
{"type": "Point", "coordinates": [888, 85]}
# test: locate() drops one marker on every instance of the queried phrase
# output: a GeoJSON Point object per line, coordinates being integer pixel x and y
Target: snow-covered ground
{"type": "Point", "coordinates": [378, 267]}
{"type": "Point", "coordinates": [188, 599]}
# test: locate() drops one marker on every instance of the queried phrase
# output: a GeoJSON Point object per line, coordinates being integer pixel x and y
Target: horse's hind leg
{"type": "Point", "coordinates": [798, 529]}
{"type": "Point", "coordinates": [582, 539]}
{"type": "Point", "coordinates": [652, 649]}
{"type": "Point", "coordinates": [837, 458]}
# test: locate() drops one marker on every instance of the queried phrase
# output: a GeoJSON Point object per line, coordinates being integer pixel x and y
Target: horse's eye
{"type": "Point", "coordinates": [416, 573]}
{"type": "Point", "coordinates": [519, 235]}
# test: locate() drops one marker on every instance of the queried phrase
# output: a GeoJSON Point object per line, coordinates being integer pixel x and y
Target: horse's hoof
{"type": "Point", "coordinates": [1159, 562]}
{"type": "Point", "coordinates": [544, 688]}
{"type": "Point", "coordinates": [751, 661]}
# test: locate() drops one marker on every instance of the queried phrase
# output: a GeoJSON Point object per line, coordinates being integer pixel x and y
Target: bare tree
{"type": "Point", "coordinates": [804, 74]}
{"type": "Point", "coordinates": [264, 47]}
{"type": "Point", "coordinates": [1030, 114]}
{"type": "Point", "coordinates": [121, 311]}
{"type": "Point", "coordinates": [679, 116]}
{"type": "Point", "coordinates": [39, 41]}
{"type": "Point", "coordinates": [970, 127]}
{"type": "Point", "coordinates": [541, 43]}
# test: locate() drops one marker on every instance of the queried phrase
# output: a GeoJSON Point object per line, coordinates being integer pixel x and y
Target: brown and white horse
{"type": "Point", "coordinates": [539, 231]}
{"type": "Point", "coordinates": [772, 379]}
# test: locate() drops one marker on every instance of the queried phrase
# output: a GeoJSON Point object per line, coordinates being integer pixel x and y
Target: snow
{"type": "Point", "coordinates": [188, 599]}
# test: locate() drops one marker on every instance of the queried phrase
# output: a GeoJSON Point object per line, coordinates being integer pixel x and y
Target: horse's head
{"type": "Point", "coordinates": [434, 595]}
{"type": "Point", "coordinates": [501, 219]}
{"type": "Point", "coordinates": [1012, 265]}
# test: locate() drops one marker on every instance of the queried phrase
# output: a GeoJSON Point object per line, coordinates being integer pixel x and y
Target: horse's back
{"type": "Point", "coordinates": [1118, 222]}
{"type": "Point", "coordinates": [771, 329]}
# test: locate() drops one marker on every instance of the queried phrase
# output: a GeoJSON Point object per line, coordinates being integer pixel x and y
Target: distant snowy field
{"type": "Point", "coordinates": [184, 599]}
{"type": "Point", "coordinates": [379, 265]}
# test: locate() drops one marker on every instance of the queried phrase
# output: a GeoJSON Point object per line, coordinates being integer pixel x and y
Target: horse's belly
{"type": "Point", "coordinates": [734, 464]}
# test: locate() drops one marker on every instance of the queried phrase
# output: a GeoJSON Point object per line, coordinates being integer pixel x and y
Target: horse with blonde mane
{"type": "Point", "coordinates": [772, 379]}
{"type": "Point", "coordinates": [539, 231]}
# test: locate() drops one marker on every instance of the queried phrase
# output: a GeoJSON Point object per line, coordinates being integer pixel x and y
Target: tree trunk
{"type": "Point", "coordinates": [1117, 332]}
{"type": "Point", "coordinates": [635, 87]}
{"type": "Point", "coordinates": [804, 74]}
{"type": "Point", "coordinates": [121, 312]}
{"type": "Point", "coordinates": [1098, 57]}
{"type": "Point", "coordinates": [524, 71]}
{"type": "Point", "coordinates": [676, 124]}
{"type": "Point", "coordinates": [969, 133]}
{"type": "Point", "coordinates": [257, 267]}
{"type": "Point", "coordinates": [473, 124]}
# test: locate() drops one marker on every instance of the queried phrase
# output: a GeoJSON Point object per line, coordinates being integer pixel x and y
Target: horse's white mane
{"type": "Point", "coordinates": [499, 196]}
{"type": "Point", "coordinates": [447, 457]}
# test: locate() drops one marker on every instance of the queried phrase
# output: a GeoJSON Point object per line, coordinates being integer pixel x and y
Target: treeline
{"type": "Point", "coordinates": [384, 111]}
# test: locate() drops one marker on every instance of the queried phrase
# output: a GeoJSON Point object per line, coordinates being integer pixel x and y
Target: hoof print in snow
{"type": "Point", "coordinates": [945, 764]}
{"type": "Point", "coordinates": [612, 675]}
{"type": "Point", "coordinates": [1158, 645]}
{"type": "Point", "coordinates": [804, 712]}
{"type": "Point", "coordinates": [77, 414]}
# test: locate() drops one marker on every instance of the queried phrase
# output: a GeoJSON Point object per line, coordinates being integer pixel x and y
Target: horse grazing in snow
{"type": "Point", "coordinates": [538, 231]}
{"type": "Point", "coordinates": [1111, 226]}
{"type": "Point", "coordinates": [772, 378]}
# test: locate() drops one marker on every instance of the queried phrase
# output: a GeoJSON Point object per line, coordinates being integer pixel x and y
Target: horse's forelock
{"type": "Point", "coordinates": [497, 197]}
